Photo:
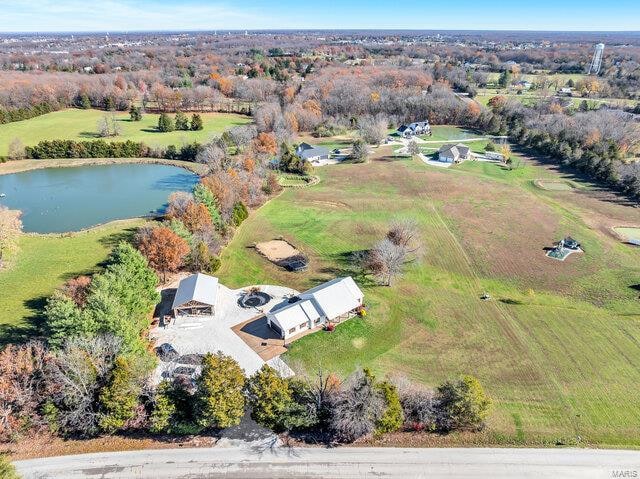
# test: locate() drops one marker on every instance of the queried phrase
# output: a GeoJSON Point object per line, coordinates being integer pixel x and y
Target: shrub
{"type": "Point", "coordinates": [163, 409]}
{"type": "Point", "coordinates": [392, 418]}
{"type": "Point", "coordinates": [135, 112]}
{"type": "Point", "coordinates": [240, 213]}
{"type": "Point", "coordinates": [463, 403]}
{"type": "Point", "coordinates": [7, 470]}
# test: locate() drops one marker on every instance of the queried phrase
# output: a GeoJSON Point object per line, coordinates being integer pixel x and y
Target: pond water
{"type": "Point", "coordinates": [55, 200]}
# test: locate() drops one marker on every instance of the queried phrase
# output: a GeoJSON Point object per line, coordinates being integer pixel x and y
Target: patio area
{"type": "Point", "coordinates": [209, 334]}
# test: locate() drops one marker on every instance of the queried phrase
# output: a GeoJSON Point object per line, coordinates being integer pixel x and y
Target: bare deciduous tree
{"type": "Point", "coordinates": [214, 156]}
{"type": "Point", "coordinates": [412, 148]}
{"type": "Point", "coordinates": [179, 201]}
{"type": "Point", "coordinates": [356, 407]}
{"type": "Point", "coordinates": [373, 130]}
{"type": "Point", "coordinates": [78, 372]}
{"type": "Point", "coordinates": [16, 150]}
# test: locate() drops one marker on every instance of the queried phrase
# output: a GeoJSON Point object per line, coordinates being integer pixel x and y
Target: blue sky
{"type": "Point", "coordinates": [118, 15]}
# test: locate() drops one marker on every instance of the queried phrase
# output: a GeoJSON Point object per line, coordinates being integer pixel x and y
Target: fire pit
{"type": "Point", "coordinates": [254, 299]}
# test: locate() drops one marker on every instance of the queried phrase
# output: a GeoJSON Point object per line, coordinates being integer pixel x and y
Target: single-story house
{"type": "Point", "coordinates": [524, 84]}
{"type": "Point", "coordinates": [196, 296]}
{"type": "Point", "coordinates": [334, 301]}
{"type": "Point", "coordinates": [454, 153]}
{"type": "Point", "coordinates": [416, 128]}
{"type": "Point", "coordinates": [312, 153]}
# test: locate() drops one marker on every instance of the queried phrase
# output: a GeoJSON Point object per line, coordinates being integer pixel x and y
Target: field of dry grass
{"type": "Point", "coordinates": [557, 347]}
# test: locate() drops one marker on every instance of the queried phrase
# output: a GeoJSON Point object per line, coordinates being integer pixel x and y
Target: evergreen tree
{"type": "Point", "coordinates": [181, 121]}
{"type": "Point", "coordinates": [464, 404]}
{"type": "Point", "coordinates": [505, 79]}
{"type": "Point", "coordinates": [163, 409]}
{"type": "Point", "coordinates": [119, 397]}
{"type": "Point", "coordinates": [240, 213]}
{"type": "Point", "coordinates": [196, 122]}
{"type": "Point", "coordinates": [165, 123]}
{"type": "Point", "coordinates": [220, 398]}
{"type": "Point", "coordinates": [270, 398]}
{"type": "Point", "coordinates": [85, 102]}
{"type": "Point", "coordinates": [135, 112]}
{"type": "Point", "coordinates": [392, 418]}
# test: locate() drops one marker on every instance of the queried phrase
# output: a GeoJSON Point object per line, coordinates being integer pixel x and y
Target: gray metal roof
{"type": "Point", "coordinates": [197, 287]}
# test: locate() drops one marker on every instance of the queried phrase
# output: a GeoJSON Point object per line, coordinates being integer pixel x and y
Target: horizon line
{"type": "Point", "coordinates": [260, 30]}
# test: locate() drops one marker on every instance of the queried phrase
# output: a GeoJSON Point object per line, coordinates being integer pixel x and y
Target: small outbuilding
{"type": "Point", "coordinates": [334, 301]}
{"type": "Point", "coordinates": [196, 296]}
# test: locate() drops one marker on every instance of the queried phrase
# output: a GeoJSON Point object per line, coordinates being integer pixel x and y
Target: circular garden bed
{"type": "Point", "coordinates": [254, 299]}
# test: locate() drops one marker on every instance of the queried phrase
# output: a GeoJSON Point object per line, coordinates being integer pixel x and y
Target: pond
{"type": "Point", "coordinates": [56, 200]}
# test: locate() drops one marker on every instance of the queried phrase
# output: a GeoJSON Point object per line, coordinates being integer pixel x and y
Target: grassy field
{"type": "Point", "coordinates": [42, 264]}
{"type": "Point", "coordinates": [80, 125]}
{"type": "Point", "coordinates": [557, 347]}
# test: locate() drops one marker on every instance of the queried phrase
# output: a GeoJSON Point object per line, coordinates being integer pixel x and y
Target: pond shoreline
{"type": "Point", "coordinates": [19, 166]}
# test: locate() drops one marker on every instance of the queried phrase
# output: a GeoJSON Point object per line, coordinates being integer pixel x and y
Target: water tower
{"type": "Point", "coordinates": [596, 61]}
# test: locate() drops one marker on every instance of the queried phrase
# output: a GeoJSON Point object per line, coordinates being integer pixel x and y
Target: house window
{"type": "Point", "coordinates": [292, 330]}
{"type": "Point", "coordinates": [303, 325]}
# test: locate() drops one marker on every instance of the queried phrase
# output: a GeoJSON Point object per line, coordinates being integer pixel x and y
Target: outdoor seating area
{"type": "Point", "coordinates": [563, 248]}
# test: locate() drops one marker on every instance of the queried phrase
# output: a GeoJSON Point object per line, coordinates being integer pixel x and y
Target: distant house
{"type": "Point", "coordinates": [311, 153]}
{"type": "Point", "coordinates": [454, 153]}
{"type": "Point", "coordinates": [413, 129]}
{"type": "Point", "coordinates": [524, 84]}
{"type": "Point", "coordinates": [334, 301]}
{"type": "Point", "coordinates": [196, 296]}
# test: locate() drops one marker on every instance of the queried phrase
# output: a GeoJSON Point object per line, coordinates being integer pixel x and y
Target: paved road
{"type": "Point", "coordinates": [265, 462]}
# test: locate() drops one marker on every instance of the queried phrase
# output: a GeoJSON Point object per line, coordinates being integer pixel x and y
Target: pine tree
{"type": "Point", "coordinates": [196, 122]}
{"type": "Point", "coordinates": [119, 398]}
{"type": "Point", "coordinates": [165, 123]}
{"type": "Point", "coordinates": [181, 121]}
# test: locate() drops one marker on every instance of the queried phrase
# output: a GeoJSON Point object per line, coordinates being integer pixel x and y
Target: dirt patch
{"type": "Point", "coordinates": [277, 251]}
{"type": "Point", "coordinates": [45, 445]}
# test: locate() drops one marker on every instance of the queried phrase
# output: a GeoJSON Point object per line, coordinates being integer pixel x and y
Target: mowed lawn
{"type": "Point", "coordinates": [43, 263]}
{"type": "Point", "coordinates": [557, 346]}
{"type": "Point", "coordinates": [74, 124]}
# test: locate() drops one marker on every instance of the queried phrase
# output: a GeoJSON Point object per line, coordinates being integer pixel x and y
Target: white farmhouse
{"type": "Point", "coordinates": [333, 301]}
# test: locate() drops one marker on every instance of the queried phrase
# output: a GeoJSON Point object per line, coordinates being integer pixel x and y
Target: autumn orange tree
{"type": "Point", "coordinates": [164, 249]}
{"type": "Point", "coordinates": [266, 143]}
{"type": "Point", "coordinates": [196, 217]}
